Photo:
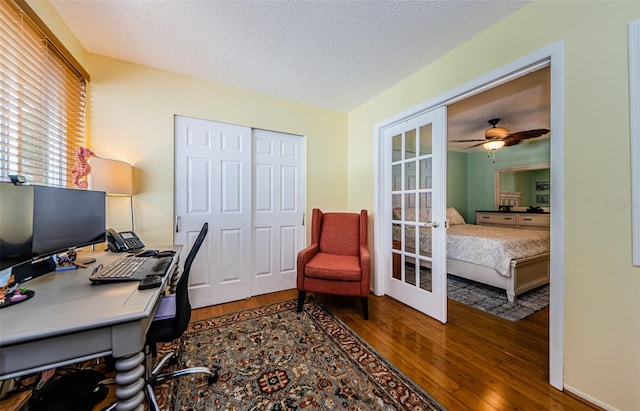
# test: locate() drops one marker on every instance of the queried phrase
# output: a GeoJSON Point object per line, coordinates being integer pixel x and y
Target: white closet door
{"type": "Point", "coordinates": [278, 206]}
{"type": "Point", "coordinates": [250, 189]}
{"type": "Point", "coordinates": [213, 184]}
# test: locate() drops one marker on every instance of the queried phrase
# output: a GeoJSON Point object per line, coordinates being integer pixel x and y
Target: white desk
{"type": "Point", "coordinates": [69, 320]}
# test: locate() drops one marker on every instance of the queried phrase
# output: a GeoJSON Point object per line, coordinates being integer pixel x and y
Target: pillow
{"type": "Point", "coordinates": [454, 217]}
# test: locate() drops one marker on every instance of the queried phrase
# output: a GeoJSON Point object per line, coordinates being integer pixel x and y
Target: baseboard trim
{"type": "Point", "coordinates": [581, 395]}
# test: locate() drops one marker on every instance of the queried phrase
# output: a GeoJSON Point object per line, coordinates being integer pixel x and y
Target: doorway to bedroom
{"type": "Point", "coordinates": [550, 58]}
{"type": "Point", "coordinates": [503, 197]}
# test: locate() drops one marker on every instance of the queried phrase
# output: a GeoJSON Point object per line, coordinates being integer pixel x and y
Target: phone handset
{"type": "Point", "coordinates": [124, 241]}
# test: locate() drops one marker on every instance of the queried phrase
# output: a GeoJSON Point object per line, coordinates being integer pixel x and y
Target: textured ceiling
{"type": "Point", "coordinates": [332, 54]}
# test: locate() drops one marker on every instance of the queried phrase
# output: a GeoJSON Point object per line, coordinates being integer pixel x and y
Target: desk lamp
{"type": "Point", "coordinates": [114, 178]}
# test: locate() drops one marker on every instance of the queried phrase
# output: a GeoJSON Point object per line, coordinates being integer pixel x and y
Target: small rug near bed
{"type": "Point", "coordinates": [494, 300]}
{"type": "Point", "coordinates": [272, 358]}
{"type": "Point", "coordinates": [487, 298]}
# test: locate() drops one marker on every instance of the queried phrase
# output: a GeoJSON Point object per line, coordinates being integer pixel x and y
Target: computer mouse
{"type": "Point", "coordinates": [147, 253]}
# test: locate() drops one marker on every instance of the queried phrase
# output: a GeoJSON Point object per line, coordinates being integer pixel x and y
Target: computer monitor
{"type": "Point", "coordinates": [38, 221]}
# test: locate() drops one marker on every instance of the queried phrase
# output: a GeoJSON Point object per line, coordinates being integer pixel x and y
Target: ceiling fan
{"type": "Point", "coordinates": [498, 137]}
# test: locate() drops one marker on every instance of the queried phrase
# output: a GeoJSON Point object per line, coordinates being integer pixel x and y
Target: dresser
{"type": "Point", "coordinates": [521, 220]}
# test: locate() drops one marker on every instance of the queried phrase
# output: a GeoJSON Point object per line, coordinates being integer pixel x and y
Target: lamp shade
{"type": "Point", "coordinates": [111, 176]}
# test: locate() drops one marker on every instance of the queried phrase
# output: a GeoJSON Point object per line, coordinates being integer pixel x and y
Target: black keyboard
{"type": "Point", "coordinates": [131, 268]}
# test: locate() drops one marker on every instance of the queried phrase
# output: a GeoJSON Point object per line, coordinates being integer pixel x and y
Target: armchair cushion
{"type": "Point", "coordinates": [334, 267]}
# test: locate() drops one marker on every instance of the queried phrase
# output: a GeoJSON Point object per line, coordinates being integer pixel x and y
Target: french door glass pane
{"type": "Point", "coordinates": [396, 257]}
{"type": "Point", "coordinates": [410, 144]}
{"type": "Point", "coordinates": [425, 217]}
{"type": "Point", "coordinates": [425, 275]}
{"type": "Point", "coordinates": [425, 140]}
{"type": "Point", "coordinates": [409, 207]}
{"type": "Point", "coordinates": [396, 177]}
{"type": "Point", "coordinates": [396, 145]}
{"type": "Point", "coordinates": [410, 270]}
{"type": "Point", "coordinates": [409, 238]}
{"type": "Point", "coordinates": [410, 175]}
{"type": "Point", "coordinates": [396, 207]}
{"type": "Point", "coordinates": [425, 174]}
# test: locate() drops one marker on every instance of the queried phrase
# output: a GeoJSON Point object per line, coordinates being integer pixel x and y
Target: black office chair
{"type": "Point", "coordinates": [170, 329]}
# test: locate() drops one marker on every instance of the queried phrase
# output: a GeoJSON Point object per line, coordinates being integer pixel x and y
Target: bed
{"type": "Point", "coordinates": [515, 260]}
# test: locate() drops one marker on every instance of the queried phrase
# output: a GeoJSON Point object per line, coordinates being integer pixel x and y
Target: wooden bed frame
{"type": "Point", "coordinates": [526, 274]}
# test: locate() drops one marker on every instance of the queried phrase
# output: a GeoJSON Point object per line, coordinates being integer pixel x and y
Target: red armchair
{"type": "Point", "coordinates": [337, 260]}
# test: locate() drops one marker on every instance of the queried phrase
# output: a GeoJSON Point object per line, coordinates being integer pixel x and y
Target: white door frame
{"type": "Point", "coordinates": [552, 55]}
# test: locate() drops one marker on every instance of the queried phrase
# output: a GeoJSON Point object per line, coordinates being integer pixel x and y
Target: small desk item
{"type": "Point", "coordinates": [15, 297]}
{"type": "Point", "coordinates": [150, 281]}
{"type": "Point", "coordinates": [69, 321]}
{"type": "Point", "coordinates": [147, 253]}
{"type": "Point", "coordinates": [66, 261]}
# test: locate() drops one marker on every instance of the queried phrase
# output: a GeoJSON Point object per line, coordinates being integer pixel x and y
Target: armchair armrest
{"type": "Point", "coordinates": [303, 258]}
{"type": "Point", "coordinates": [365, 266]}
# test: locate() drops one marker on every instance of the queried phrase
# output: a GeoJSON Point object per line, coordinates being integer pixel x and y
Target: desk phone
{"type": "Point", "coordinates": [123, 241]}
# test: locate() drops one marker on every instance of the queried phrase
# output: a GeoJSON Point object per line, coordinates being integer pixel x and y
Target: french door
{"type": "Point", "coordinates": [415, 172]}
{"type": "Point", "coordinates": [248, 185]}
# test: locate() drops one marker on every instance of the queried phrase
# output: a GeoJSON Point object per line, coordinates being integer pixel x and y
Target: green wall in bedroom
{"type": "Point", "coordinates": [457, 181]}
{"type": "Point", "coordinates": [470, 176]}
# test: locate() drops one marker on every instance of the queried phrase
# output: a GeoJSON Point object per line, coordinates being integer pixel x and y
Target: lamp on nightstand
{"type": "Point", "coordinates": [114, 178]}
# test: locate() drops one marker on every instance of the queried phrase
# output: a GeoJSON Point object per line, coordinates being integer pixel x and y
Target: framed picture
{"type": "Point", "coordinates": [543, 185]}
{"type": "Point", "coordinates": [542, 199]}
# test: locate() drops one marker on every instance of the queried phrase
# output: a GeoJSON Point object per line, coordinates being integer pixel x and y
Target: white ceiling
{"type": "Point", "coordinates": [331, 54]}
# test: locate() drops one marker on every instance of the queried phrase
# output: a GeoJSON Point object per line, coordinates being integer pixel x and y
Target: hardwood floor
{"type": "Point", "coordinates": [475, 362]}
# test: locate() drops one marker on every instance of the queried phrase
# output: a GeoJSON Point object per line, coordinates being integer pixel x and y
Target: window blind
{"type": "Point", "coordinates": [42, 102]}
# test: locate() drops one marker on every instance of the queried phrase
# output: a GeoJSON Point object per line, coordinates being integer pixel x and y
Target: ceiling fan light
{"type": "Point", "coordinates": [493, 145]}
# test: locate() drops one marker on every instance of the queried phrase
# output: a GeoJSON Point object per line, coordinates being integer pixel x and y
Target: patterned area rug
{"type": "Point", "coordinates": [484, 297]}
{"type": "Point", "coordinates": [272, 358]}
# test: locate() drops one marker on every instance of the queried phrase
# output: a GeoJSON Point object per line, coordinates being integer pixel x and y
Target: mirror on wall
{"type": "Point", "coordinates": [523, 186]}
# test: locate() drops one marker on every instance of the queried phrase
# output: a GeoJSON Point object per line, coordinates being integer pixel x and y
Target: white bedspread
{"type": "Point", "coordinates": [492, 247]}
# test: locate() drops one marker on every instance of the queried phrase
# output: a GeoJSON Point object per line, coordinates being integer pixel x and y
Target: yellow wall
{"type": "Point", "coordinates": [602, 288]}
{"type": "Point", "coordinates": [131, 118]}
{"type": "Point", "coordinates": [132, 113]}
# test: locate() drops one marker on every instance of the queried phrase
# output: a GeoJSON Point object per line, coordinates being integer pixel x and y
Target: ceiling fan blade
{"type": "Point", "coordinates": [476, 145]}
{"type": "Point", "coordinates": [465, 141]}
{"type": "Point", "coordinates": [512, 141]}
{"type": "Point", "coordinates": [521, 135]}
